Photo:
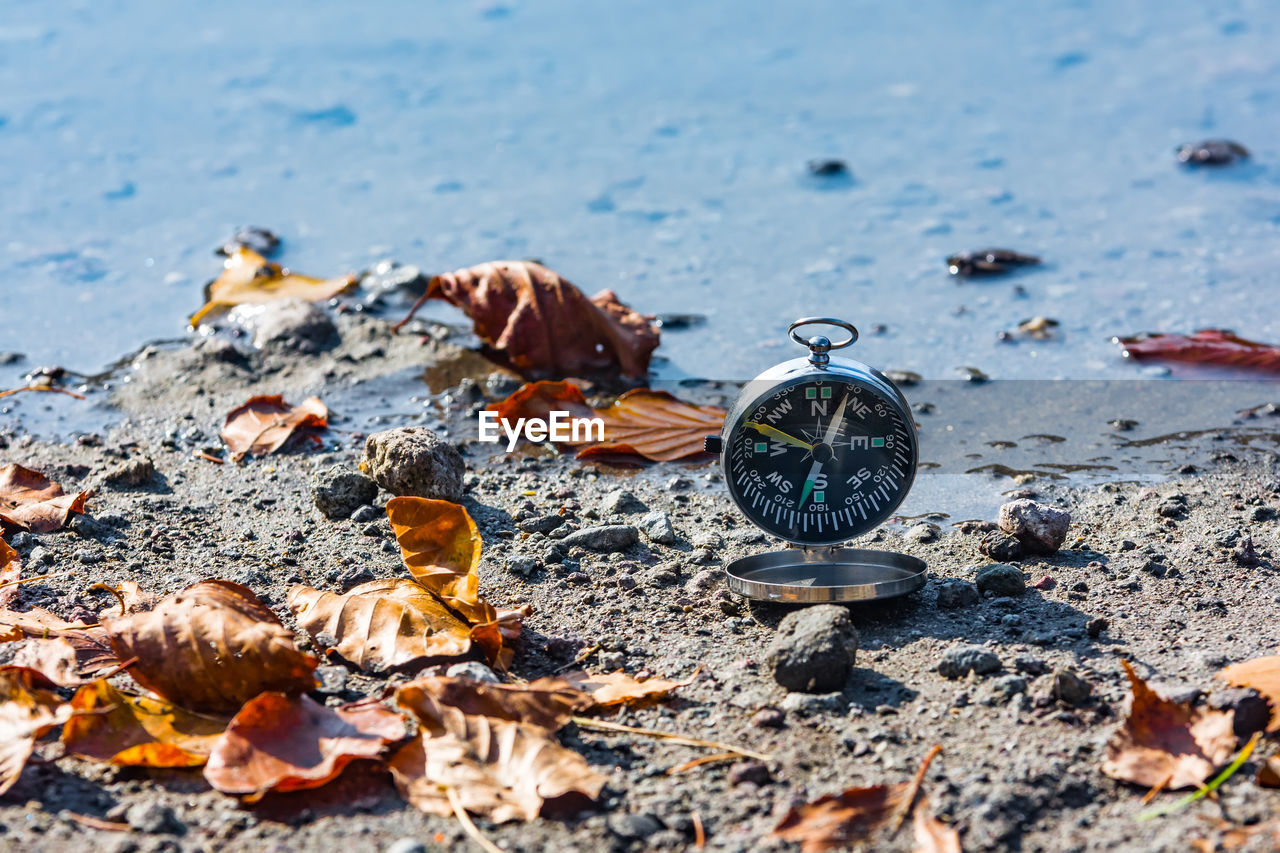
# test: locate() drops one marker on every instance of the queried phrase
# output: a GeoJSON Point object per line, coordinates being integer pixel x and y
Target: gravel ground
{"type": "Point", "coordinates": [1157, 575]}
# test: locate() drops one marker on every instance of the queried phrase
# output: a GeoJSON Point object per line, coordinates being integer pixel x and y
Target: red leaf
{"type": "Point", "coordinates": [1207, 346]}
{"type": "Point", "coordinates": [263, 424]}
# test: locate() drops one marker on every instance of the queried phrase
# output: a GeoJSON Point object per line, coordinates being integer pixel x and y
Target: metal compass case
{"type": "Point", "coordinates": [816, 451]}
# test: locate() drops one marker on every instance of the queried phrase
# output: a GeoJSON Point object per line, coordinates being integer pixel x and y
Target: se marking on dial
{"type": "Point", "coordinates": [820, 461]}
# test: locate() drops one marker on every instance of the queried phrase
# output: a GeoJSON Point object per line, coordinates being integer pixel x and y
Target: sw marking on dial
{"type": "Point", "coordinates": [820, 461]}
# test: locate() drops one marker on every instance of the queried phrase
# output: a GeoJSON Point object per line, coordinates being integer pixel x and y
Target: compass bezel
{"type": "Point", "coordinates": [798, 371]}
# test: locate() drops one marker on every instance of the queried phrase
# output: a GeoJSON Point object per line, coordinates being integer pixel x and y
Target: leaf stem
{"type": "Point", "coordinates": [1207, 789]}
{"type": "Point", "coordinates": [470, 828]}
{"type": "Point", "coordinates": [602, 725]}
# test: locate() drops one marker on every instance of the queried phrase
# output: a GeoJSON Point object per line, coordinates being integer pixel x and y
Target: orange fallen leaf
{"type": "Point", "coordinates": [288, 743]}
{"type": "Point", "coordinates": [650, 424]}
{"type": "Point", "coordinates": [1207, 346]}
{"type": "Point", "coordinates": [441, 548]}
{"type": "Point", "coordinates": [541, 324]}
{"type": "Point", "coordinates": [54, 658]}
{"type": "Point", "coordinates": [137, 730]}
{"type": "Point", "coordinates": [1164, 740]}
{"type": "Point", "coordinates": [28, 710]}
{"type": "Point", "coordinates": [247, 277]}
{"type": "Point", "coordinates": [1262, 675]}
{"type": "Point", "coordinates": [547, 703]}
{"type": "Point", "coordinates": [856, 814]}
{"type": "Point", "coordinates": [496, 768]}
{"type": "Point", "coordinates": [211, 647]}
{"type": "Point", "coordinates": [618, 688]}
{"type": "Point", "coordinates": [386, 624]}
{"type": "Point", "coordinates": [263, 424]}
{"type": "Point", "coordinates": [31, 501]}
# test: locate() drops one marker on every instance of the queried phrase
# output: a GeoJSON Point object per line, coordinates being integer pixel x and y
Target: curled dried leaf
{"type": "Point", "coordinates": [385, 624]}
{"type": "Point", "coordinates": [1263, 675]}
{"type": "Point", "coordinates": [1165, 742]}
{"type": "Point", "coordinates": [31, 501]}
{"type": "Point", "coordinates": [541, 324]}
{"type": "Point", "coordinates": [28, 710]}
{"type": "Point", "coordinates": [1207, 346]}
{"type": "Point", "coordinates": [211, 647]}
{"type": "Point", "coordinates": [618, 688]}
{"type": "Point", "coordinates": [93, 653]}
{"type": "Point", "coordinates": [263, 424]}
{"type": "Point", "coordinates": [839, 820]}
{"type": "Point", "coordinates": [288, 743]}
{"type": "Point", "coordinates": [642, 423]}
{"type": "Point", "coordinates": [547, 703]}
{"type": "Point", "coordinates": [932, 835]}
{"type": "Point", "coordinates": [441, 548]}
{"type": "Point", "coordinates": [125, 729]}
{"type": "Point", "coordinates": [247, 277]}
{"type": "Point", "coordinates": [497, 768]}
{"type": "Point", "coordinates": [10, 572]}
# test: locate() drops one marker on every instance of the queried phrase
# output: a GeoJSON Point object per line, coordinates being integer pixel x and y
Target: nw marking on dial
{"type": "Point", "coordinates": [820, 461]}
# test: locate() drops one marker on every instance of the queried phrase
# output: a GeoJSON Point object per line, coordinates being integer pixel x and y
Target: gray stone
{"type": "Point", "coordinates": [368, 512]}
{"type": "Point", "coordinates": [755, 772]}
{"type": "Point", "coordinates": [332, 678]}
{"type": "Point", "coordinates": [22, 542]}
{"type": "Point", "coordinates": [473, 670]}
{"type": "Point", "coordinates": [152, 817]}
{"type": "Point", "coordinates": [959, 661]}
{"type": "Point", "coordinates": [406, 845]}
{"type": "Point", "coordinates": [814, 649]}
{"type": "Point", "coordinates": [634, 827]}
{"type": "Point", "coordinates": [604, 539]}
{"type": "Point", "coordinates": [414, 461]}
{"type": "Point", "coordinates": [1041, 529]}
{"type": "Point", "coordinates": [1008, 686]}
{"type": "Point", "coordinates": [922, 533]}
{"type": "Point", "coordinates": [705, 581]}
{"type": "Point", "coordinates": [657, 528]}
{"type": "Point", "coordinates": [541, 524]}
{"type": "Point", "coordinates": [339, 491]}
{"type": "Point", "coordinates": [1069, 688]}
{"type": "Point", "coordinates": [523, 566]}
{"type": "Point", "coordinates": [611, 661]}
{"type": "Point", "coordinates": [293, 324]}
{"type": "Point", "coordinates": [622, 502]}
{"type": "Point", "coordinates": [1000, 579]}
{"type": "Point", "coordinates": [131, 473]}
{"type": "Point", "coordinates": [1001, 547]}
{"type": "Point", "coordinates": [955, 593]}
{"type": "Point", "coordinates": [814, 703]}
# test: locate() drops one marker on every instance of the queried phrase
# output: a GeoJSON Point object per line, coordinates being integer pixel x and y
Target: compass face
{"type": "Point", "coordinates": [821, 459]}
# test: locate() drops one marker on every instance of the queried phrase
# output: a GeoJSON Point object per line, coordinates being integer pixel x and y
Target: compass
{"type": "Point", "coordinates": [817, 451]}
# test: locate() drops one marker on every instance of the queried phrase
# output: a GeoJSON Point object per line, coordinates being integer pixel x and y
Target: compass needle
{"type": "Point", "coordinates": [774, 432]}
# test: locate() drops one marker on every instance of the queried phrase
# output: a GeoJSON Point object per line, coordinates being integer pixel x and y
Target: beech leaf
{"type": "Point", "coordinates": [932, 835]}
{"type": "Point", "coordinates": [547, 703]}
{"type": "Point", "coordinates": [441, 548]}
{"type": "Point", "coordinates": [839, 820]}
{"type": "Point", "coordinates": [93, 653]}
{"type": "Point", "coordinates": [387, 624]}
{"type": "Point", "coordinates": [542, 325]}
{"type": "Point", "coordinates": [28, 710]}
{"type": "Point", "coordinates": [1165, 742]}
{"type": "Point", "coordinates": [137, 730]}
{"type": "Point", "coordinates": [263, 424]}
{"type": "Point", "coordinates": [211, 647]}
{"type": "Point", "coordinates": [31, 501]}
{"type": "Point", "coordinates": [10, 571]}
{"type": "Point", "coordinates": [618, 688]}
{"type": "Point", "coordinates": [248, 277]}
{"type": "Point", "coordinates": [1207, 346]}
{"type": "Point", "coordinates": [288, 743]}
{"type": "Point", "coordinates": [497, 768]}
{"type": "Point", "coordinates": [643, 423]}
{"type": "Point", "coordinates": [1262, 675]}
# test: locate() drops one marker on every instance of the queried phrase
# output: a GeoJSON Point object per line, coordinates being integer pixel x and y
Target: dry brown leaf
{"type": "Point", "coordinates": [28, 710]}
{"type": "Point", "coordinates": [137, 730]}
{"type": "Point", "coordinates": [55, 658]}
{"type": "Point", "coordinates": [496, 768]}
{"type": "Point", "coordinates": [263, 424]}
{"type": "Point", "coordinates": [642, 423]}
{"type": "Point", "coordinates": [1262, 675]}
{"type": "Point", "coordinates": [618, 688]}
{"type": "Point", "coordinates": [211, 647]}
{"type": "Point", "coordinates": [1163, 740]}
{"type": "Point", "coordinates": [31, 501]}
{"type": "Point", "coordinates": [547, 703]}
{"type": "Point", "coordinates": [93, 653]}
{"type": "Point", "coordinates": [540, 324]}
{"type": "Point", "coordinates": [287, 743]}
{"type": "Point", "coordinates": [247, 277]}
{"type": "Point", "coordinates": [441, 548]}
{"type": "Point", "coordinates": [932, 835]}
{"type": "Point", "coordinates": [840, 820]}
{"type": "Point", "coordinates": [10, 571]}
{"type": "Point", "coordinates": [387, 624]}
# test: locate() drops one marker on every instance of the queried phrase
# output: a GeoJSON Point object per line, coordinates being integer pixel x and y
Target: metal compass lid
{"type": "Point", "coordinates": [824, 575]}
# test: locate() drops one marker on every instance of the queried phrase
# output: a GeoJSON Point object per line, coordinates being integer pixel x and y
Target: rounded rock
{"type": "Point", "coordinates": [152, 817]}
{"type": "Point", "coordinates": [962, 660]}
{"type": "Point", "coordinates": [814, 649]}
{"type": "Point", "coordinates": [294, 324]}
{"type": "Point", "coordinates": [414, 461]}
{"type": "Point", "coordinates": [1001, 579]}
{"type": "Point", "coordinates": [604, 539]}
{"type": "Point", "coordinates": [1041, 529]}
{"type": "Point", "coordinates": [955, 593]}
{"type": "Point", "coordinates": [1069, 688]}
{"type": "Point", "coordinates": [338, 492]}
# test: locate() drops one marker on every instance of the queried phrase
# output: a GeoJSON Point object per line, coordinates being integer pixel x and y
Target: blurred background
{"type": "Point", "coordinates": [658, 149]}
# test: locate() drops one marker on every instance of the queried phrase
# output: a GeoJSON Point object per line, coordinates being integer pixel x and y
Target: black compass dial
{"type": "Point", "coordinates": [821, 461]}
